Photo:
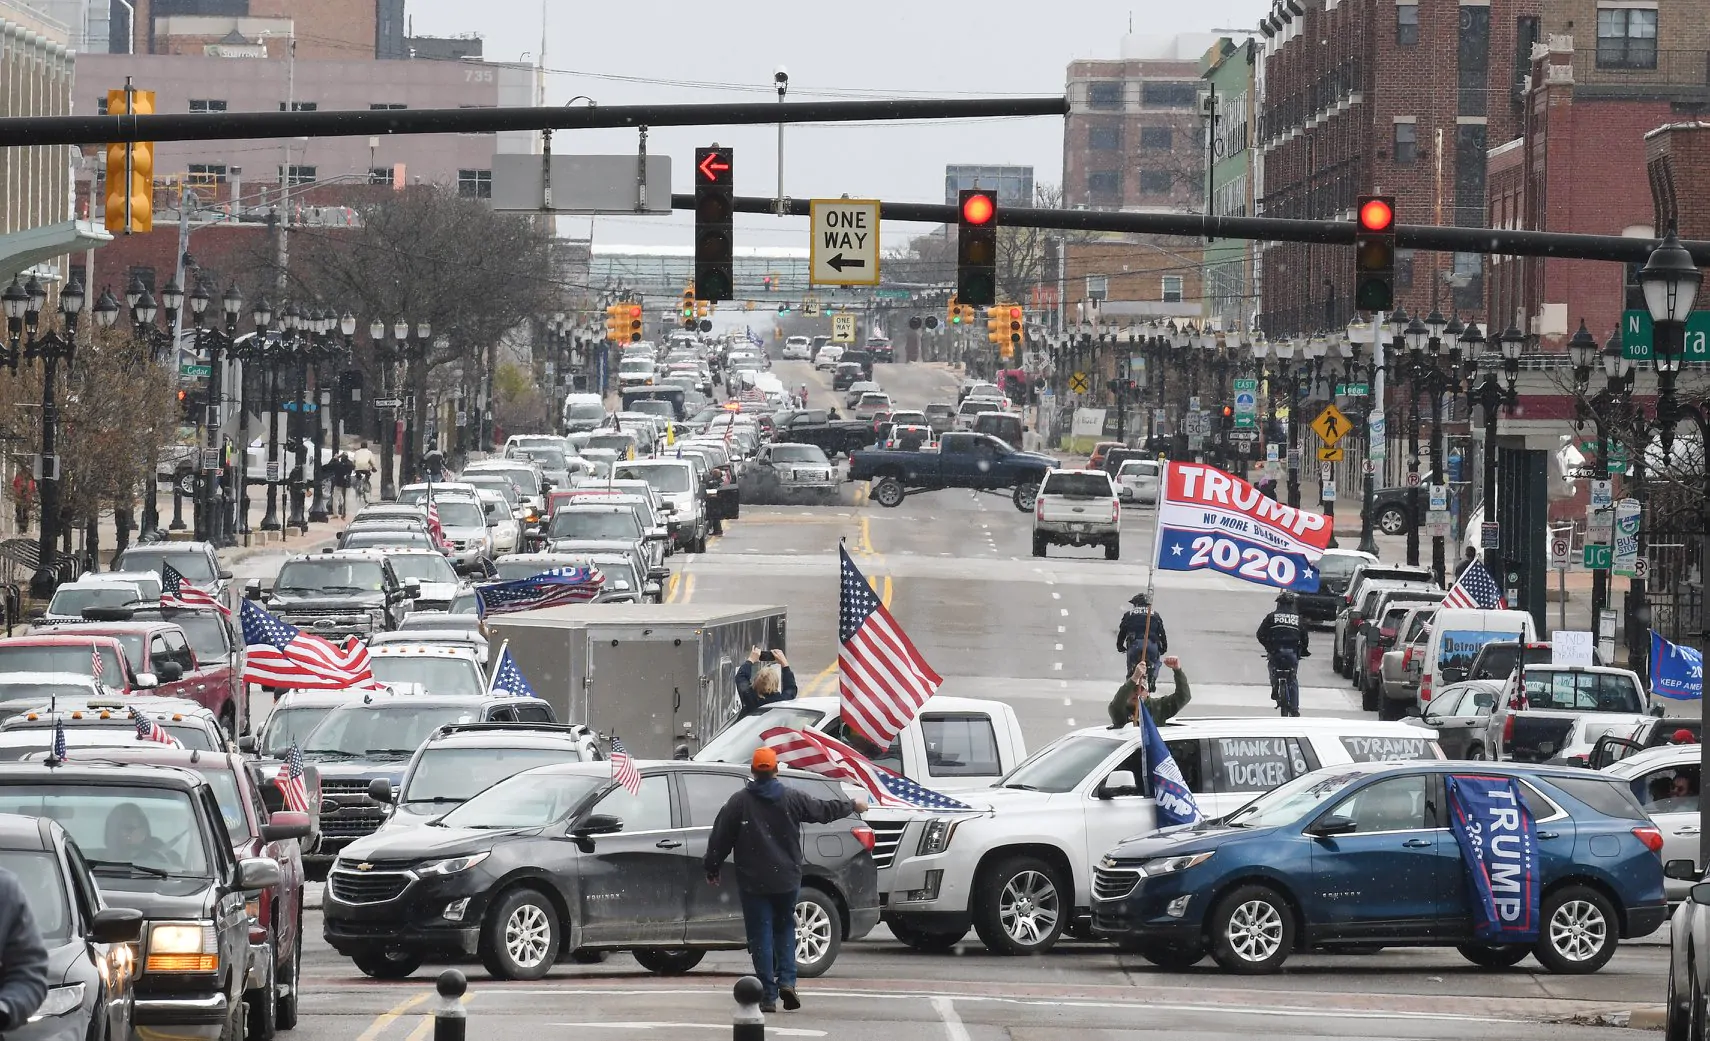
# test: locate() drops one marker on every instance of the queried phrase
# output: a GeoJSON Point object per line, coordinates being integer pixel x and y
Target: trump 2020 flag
{"type": "Point", "coordinates": [1677, 672]}
{"type": "Point", "coordinates": [1499, 846]}
{"type": "Point", "coordinates": [1169, 788]}
{"type": "Point", "coordinates": [1211, 520]}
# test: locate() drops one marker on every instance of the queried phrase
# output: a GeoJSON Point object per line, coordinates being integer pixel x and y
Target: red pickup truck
{"type": "Point", "coordinates": [73, 653]}
{"type": "Point", "coordinates": [161, 650]}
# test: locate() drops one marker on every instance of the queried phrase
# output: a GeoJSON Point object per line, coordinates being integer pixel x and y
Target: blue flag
{"type": "Point", "coordinates": [1499, 846]}
{"type": "Point", "coordinates": [1169, 787]}
{"type": "Point", "coordinates": [1677, 672]}
{"type": "Point", "coordinates": [508, 677]}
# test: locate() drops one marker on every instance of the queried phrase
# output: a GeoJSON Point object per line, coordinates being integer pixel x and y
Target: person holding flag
{"type": "Point", "coordinates": [1134, 696]}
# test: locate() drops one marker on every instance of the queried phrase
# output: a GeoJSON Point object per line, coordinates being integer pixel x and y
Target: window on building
{"type": "Point", "coordinates": [1406, 149]}
{"type": "Point", "coordinates": [1169, 95]}
{"type": "Point", "coordinates": [101, 105]}
{"type": "Point", "coordinates": [475, 184]}
{"type": "Point", "coordinates": [1406, 24]}
{"type": "Point", "coordinates": [301, 106]}
{"type": "Point", "coordinates": [1626, 38]}
{"type": "Point", "coordinates": [1106, 94]}
{"type": "Point", "coordinates": [1155, 182]}
{"type": "Point", "coordinates": [1098, 287]}
{"type": "Point", "coordinates": [1525, 36]}
{"type": "Point", "coordinates": [207, 105]}
{"type": "Point", "coordinates": [295, 175]}
{"type": "Point", "coordinates": [380, 175]}
{"type": "Point", "coordinates": [1473, 60]}
{"type": "Point", "coordinates": [206, 174]}
{"type": "Point", "coordinates": [1155, 139]}
{"type": "Point", "coordinates": [144, 275]}
{"type": "Point", "coordinates": [1104, 139]}
{"type": "Point", "coordinates": [1104, 182]}
{"type": "Point", "coordinates": [385, 106]}
{"type": "Point", "coordinates": [1170, 289]}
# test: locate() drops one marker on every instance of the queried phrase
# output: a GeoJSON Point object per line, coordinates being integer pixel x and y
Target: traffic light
{"type": "Point", "coordinates": [976, 248]}
{"type": "Point", "coordinates": [1014, 327]}
{"type": "Point", "coordinates": [954, 312]}
{"type": "Point", "coordinates": [702, 308]}
{"type": "Point", "coordinates": [615, 323]}
{"type": "Point", "coordinates": [715, 278]}
{"type": "Point", "coordinates": [1374, 254]}
{"type": "Point", "coordinates": [997, 325]}
{"type": "Point", "coordinates": [632, 327]}
{"type": "Point", "coordinates": [135, 185]}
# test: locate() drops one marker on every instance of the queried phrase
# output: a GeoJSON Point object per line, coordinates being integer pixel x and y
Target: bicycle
{"type": "Point", "coordinates": [362, 485]}
{"type": "Point", "coordinates": [1285, 686]}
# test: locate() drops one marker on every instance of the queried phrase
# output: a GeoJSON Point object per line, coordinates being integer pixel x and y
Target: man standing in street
{"type": "Point", "coordinates": [23, 958]}
{"type": "Point", "coordinates": [762, 826]}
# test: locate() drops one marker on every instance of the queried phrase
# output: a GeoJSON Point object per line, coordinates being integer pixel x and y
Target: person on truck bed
{"type": "Point", "coordinates": [1125, 706]}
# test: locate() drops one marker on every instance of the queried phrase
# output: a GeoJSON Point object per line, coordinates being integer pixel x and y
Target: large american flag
{"type": "Point", "coordinates": [434, 527]}
{"type": "Point", "coordinates": [1476, 588]}
{"type": "Point", "coordinates": [149, 730]}
{"type": "Point", "coordinates": [560, 585]}
{"type": "Point", "coordinates": [623, 768]}
{"type": "Point", "coordinates": [884, 680]}
{"type": "Point", "coordinates": [178, 591]}
{"type": "Point", "coordinates": [278, 654]}
{"type": "Point", "coordinates": [828, 757]}
{"type": "Point", "coordinates": [289, 780]}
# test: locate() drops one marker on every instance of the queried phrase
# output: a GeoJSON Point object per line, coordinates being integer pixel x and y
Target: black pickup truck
{"type": "Point", "coordinates": [962, 460]}
{"type": "Point", "coordinates": [816, 427]}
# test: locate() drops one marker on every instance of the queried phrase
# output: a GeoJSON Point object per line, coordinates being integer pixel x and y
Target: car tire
{"type": "Point", "coordinates": [1386, 709]}
{"type": "Point", "coordinates": [261, 1010]}
{"type": "Point", "coordinates": [1476, 752]}
{"type": "Point", "coordinates": [387, 965]}
{"type": "Point", "coordinates": [1039, 545]}
{"type": "Point", "coordinates": [1677, 1024]}
{"type": "Point", "coordinates": [520, 938]}
{"type": "Point", "coordinates": [1020, 906]}
{"type": "Point", "coordinates": [819, 932]}
{"type": "Point", "coordinates": [1370, 701]}
{"type": "Point", "coordinates": [1252, 930]}
{"type": "Point", "coordinates": [1494, 955]}
{"type": "Point", "coordinates": [1393, 520]}
{"type": "Point", "coordinates": [1580, 931]}
{"type": "Point", "coordinates": [927, 940]}
{"type": "Point", "coordinates": [1113, 550]}
{"type": "Point", "coordinates": [285, 1011]}
{"type": "Point", "coordinates": [887, 492]}
{"type": "Point", "coordinates": [1171, 957]}
{"type": "Point", "coordinates": [1338, 663]}
{"type": "Point", "coordinates": [664, 961]}
{"type": "Point", "coordinates": [699, 545]}
{"type": "Point", "coordinates": [1025, 496]}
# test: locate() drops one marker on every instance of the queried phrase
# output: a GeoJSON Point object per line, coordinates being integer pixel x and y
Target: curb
{"type": "Point", "coordinates": [1645, 1017]}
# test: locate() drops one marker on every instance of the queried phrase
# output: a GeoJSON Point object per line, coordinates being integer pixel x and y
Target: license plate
{"type": "Point", "coordinates": [1076, 526]}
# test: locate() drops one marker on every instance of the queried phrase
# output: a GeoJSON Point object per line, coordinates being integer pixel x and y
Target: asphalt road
{"type": "Point", "coordinates": [956, 570]}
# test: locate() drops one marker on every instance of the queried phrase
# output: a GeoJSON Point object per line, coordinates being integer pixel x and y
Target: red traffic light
{"type": "Point", "coordinates": [1015, 312]}
{"type": "Point", "coordinates": [1227, 412]}
{"type": "Point", "coordinates": [1377, 215]}
{"type": "Point", "coordinates": [635, 311]}
{"type": "Point", "coordinates": [712, 165]}
{"type": "Point", "coordinates": [978, 209]}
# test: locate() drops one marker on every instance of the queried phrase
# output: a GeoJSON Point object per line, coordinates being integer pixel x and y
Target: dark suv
{"type": "Point", "coordinates": [156, 841]}
{"type": "Point", "coordinates": [338, 593]}
{"type": "Point", "coordinates": [461, 760]}
{"type": "Point", "coordinates": [562, 859]}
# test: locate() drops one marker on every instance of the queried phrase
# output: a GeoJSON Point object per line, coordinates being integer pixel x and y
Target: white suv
{"type": "Point", "coordinates": [1077, 508]}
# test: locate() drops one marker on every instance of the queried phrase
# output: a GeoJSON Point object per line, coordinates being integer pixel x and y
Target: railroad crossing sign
{"type": "Point", "coordinates": [1331, 455]}
{"type": "Point", "coordinates": [843, 243]}
{"type": "Point", "coordinates": [1079, 383]}
{"type": "Point", "coordinates": [1332, 425]}
{"type": "Point", "coordinates": [843, 328]}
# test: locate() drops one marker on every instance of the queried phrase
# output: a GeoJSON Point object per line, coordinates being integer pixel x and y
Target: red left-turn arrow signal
{"type": "Point", "coordinates": [711, 166]}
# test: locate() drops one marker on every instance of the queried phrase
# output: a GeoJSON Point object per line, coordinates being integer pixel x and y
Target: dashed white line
{"type": "Point", "coordinates": [1062, 628]}
{"type": "Point", "coordinates": [1070, 721]}
{"type": "Point", "coordinates": [1065, 612]}
{"type": "Point", "coordinates": [1057, 666]}
{"type": "Point", "coordinates": [1056, 596]}
{"type": "Point", "coordinates": [1058, 647]}
{"type": "Point", "coordinates": [1068, 702]}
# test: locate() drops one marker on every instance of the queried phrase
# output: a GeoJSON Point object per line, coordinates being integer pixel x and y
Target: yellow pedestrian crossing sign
{"type": "Point", "coordinates": [1331, 425]}
{"type": "Point", "coordinates": [1079, 384]}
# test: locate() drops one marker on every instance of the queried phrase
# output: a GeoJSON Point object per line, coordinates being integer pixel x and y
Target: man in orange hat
{"type": "Point", "coordinates": [762, 826]}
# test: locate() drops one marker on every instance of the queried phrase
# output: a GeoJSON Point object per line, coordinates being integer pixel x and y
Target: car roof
{"type": "Point", "coordinates": [509, 735]}
{"type": "Point", "coordinates": [62, 637]}
{"type": "Point", "coordinates": [422, 649]}
{"type": "Point", "coordinates": [939, 702]}
{"type": "Point", "coordinates": [319, 698]}
{"type": "Point", "coordinates": [9, 679]}
{"type": "Point", "coordinates": [1271, 725]}
{"type": "Point", "coordinates": [1602, 670]}
{"type": "Point", "coordinates": [100, 772]}
{"type": "Point", "coordinates": [342, 554]}
{"type": "Point", "coordinates": [18, 832]}
{"type": "Point", "coordinates": [1652, 758]}
{"type": "Point", "coordinates": [599, 507]}
{"type": "Point", "coordinates": [143, 628]}
{"type": "Point", "coordinates": [148, 753]}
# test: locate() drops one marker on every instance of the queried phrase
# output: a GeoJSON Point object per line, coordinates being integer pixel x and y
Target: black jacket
{"type": "Point", "coordinates": [752, 702]}
{"type": "Point", "coordinates": [1134, 628]}
{"type": "Point", "coordinates": [23, 958]}
{"type": "Point", "coordinates": [1282, 629]}
{"type": "Point", "coordinates": [762, 826]}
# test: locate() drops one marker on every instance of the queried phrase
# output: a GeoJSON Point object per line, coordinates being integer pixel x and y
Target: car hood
{"type": "Point", "coordinates": [592, 546]}
{"type": "Point", "coordinates": [361, 769]}
{"type": "Point", "coordinates": [438, 590]}
{"type": "Point", "coordinates": [341, 602]}
{"type": "Point", "coordinates": [62, 959]}
{"type": "Point", "coordinates": [157, 898]}
{"type": "Point", "coordinates": [1035, 458]}
{"type": "Point", "coordinates": [1180, 839]}
{"type": "Point", "coordinates": [424, 843]}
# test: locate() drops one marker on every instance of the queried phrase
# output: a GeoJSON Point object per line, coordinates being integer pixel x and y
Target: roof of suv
{"type": "Point", "coordinates": [94, 771]}
{"type": "Point", "coordinates": [376, 555]}
{"type": "Point", "coordinates": [509, 735]}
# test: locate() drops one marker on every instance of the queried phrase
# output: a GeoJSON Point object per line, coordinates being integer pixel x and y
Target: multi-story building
{"type": "Point", "coordinates": [324, 29]}
{"type": "Point", "coordinates": [1013, 184]}
{"type": "Point", "coordinates": [1230, 289]}
{"type": "Point", "coordinates": [1602, 77]}
{"type": "Point", "coordinates": [1402, 98]}
{"type": "Point", "coordinates": [1134, 138]}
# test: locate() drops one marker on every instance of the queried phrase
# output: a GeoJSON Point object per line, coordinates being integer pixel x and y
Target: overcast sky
{"type": "Point", "coordinates": [627, 53]}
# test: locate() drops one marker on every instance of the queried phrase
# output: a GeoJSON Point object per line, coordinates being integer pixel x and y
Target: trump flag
{"type": "Point", "coordinates": [1211, 520]}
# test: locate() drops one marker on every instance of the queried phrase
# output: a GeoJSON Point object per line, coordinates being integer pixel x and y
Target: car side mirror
{"type": "Point", "coordinates": [1701, 893]}
{"type": "Point", "coordinates": [598, 824]}
{"type": "Point", "coordinates": [169, 671]}
{"type": "Point", "coordinates": [1682, 871]}
{"type": "Point", "coordinates": [225, 576]}
{"type": "Point", "coordinates": [246, 744]}
{"type": "Point", "coordinates": [252, 589]}
{"type": "Point", "coordinates": [257, 873]}
{"type": "Point", "coordinates": [286, 824]}
{"type": "Point", "coordinates": [116, 925]}
{"type": "Point", "coordinates": [37, 614]}
{"type": "Point", "coordinates": [146, 681]}
{"type": "Point", "coordinates": [380, 790]}
{"type": "Point", "coordinates": [658, 574]}
{"type": "Point", "coordinates": [1119, 782]}
{"type": "Point", "coordinates": [1334, 824]}
{"type": "Point", "coordinates": [412, 588]}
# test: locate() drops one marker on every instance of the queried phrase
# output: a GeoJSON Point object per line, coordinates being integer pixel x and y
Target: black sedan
{"type": "Point", "coordinates": [88, 944]}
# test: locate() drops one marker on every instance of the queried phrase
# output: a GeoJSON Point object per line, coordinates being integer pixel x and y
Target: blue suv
{"type": "Point", "coordinates": [1363, 856]}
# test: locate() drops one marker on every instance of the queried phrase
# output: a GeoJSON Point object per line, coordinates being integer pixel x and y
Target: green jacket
{"type": "Point", "coordinates": [1163, 707]}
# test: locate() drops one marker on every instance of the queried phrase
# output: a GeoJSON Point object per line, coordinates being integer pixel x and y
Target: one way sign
{"type": "Point", "coordinates": [844, 249]}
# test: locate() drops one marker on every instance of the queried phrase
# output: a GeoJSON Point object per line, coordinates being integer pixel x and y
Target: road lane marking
{"type": "Point", "coordinates": [671, 587]}
{"type": "Point", "coordinates": [390, 1016]}
{"type": "Point", "coordinates": [1057, 666]}
{"type": "Point", "coordinates": [425, 1027]}
{"type": "Point", "coordinates": [1070, 721]}
{"type": "Point", "coordinates": [723, 1027]}
{"type": "Point", "coordinates": [953, 1028]}
{"type": "Point", "coordinates": [1062, 628]}
{"type": "Point", "coordinates": [688, 588]}
{"type": "Point", "coordinates": [865, 546]}
{"type": "Point", "coordinates": [1056, 596]}
{"type": "Point", "coordinates": [1065, 611]}
{"type": "Point", "coordinates": [1058, 647]}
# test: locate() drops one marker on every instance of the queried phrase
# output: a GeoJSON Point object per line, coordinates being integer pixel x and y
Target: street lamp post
{"type": "Point", "coordinates": [255, 351]}
{"type": "Point", "coordinates": [301, 346]}
{"type": "Point", "coordinates": [321, 350]}
{"type": "Point", "coordinates": [210, 520]}
{"type": "Point", "coordinates": [288, 320]}
{"type": "Point", "coordinates": [23, 309]}
{"type": "Point", "coordinates": [153, 344]}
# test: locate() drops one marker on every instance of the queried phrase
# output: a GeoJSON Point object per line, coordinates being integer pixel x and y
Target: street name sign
{"type": "Point", "coordinates": [1637, 335]}
{"type": "Point", "coordinates": [843, 248]}
{"type": "Point", "coordinates": [1596, 556]}
{"type": "Point", "coordinates": [581, 184]}
{"type": "Point", "coordinates": [195, 370]}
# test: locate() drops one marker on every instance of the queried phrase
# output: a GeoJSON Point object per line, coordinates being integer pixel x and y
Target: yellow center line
{"type": "Point", "coordinates": [425, 1027]}
{"type": "Point", "coordinates": [390, 1016]}
{"type": "Point", "coordinates": [671, 587]}
{"type": "Point", "coordinates": [688, 589]}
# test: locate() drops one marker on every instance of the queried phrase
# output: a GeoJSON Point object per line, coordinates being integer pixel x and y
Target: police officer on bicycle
{"type": "Point", "coordinates": [1141, 636]}
{"type": "Point", "coordinates": [1284, 638]}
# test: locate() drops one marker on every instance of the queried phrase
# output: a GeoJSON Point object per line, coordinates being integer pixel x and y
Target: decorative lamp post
{"type": "Point", "coordinates": [23, 308]}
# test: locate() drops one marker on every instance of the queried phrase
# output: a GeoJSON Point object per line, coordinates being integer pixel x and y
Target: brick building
{"type": "Point", "coordinates": [1398, 98]}
{"type": "Point", "coordinates": [1136, 279]}
{"type": "Point", "coordinates": [1134, 139]}
{"type": "Point", "coordinates": [323, 29]}
{"type": "Point", "coordinates": [1677, 158]}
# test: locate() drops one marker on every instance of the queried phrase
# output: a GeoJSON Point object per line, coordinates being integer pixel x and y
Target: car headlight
{"type": "Point", "coordinates": [59, 1001]}
{"type": "Point", "coordinates": [182, 947]}
{"type": "Point", "coordinates": [1170, 865]}
{"type": "Point", "coordinates": [451, 865]}
{"type": "Point", "coordinates": [936, 837]}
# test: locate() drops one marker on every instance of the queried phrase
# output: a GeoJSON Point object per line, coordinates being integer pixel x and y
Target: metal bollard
{"type": "Point", "coordinates": [450, 1021]}
{"type": "Point", "coordinates": [749, 1023]}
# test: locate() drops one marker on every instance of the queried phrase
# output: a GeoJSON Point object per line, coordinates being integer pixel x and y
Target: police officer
{"type": "Point", "coordinates": [1141, 636]}
{"type": "Point", "coordinates": [1284, 638]}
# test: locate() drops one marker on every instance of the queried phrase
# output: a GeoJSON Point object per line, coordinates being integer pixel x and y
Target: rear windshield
{"type": "Point", "coordinates": [1582, 691]}
{"type": "Point", "coordinates": [1603, 794]}
{"type": "Point", "coordinates": [1077, 485]}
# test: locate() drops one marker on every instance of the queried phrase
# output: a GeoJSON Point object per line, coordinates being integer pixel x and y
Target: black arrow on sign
{"type": "Point", "coordinates": [837, 263]}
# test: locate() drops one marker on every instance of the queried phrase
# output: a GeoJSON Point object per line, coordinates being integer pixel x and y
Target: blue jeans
{"type": "Point", "coordinates": [1289, 658]}
{"type": "Point", "coordinates": [1153, 656]}
{"type": "Point", "coordinates": [770, 920]}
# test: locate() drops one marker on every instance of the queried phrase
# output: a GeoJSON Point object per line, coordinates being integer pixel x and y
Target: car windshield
{"type": "Point", "coordinates": [124, 831]}
{"type": "Point", "coordinates": [600, 524]}
{"type": "Point", "coordinates": [654, 407]}
{"type": "Point", "coordinates": [940, 410]}
{"type": "Point", "coordinates": [1077, 485]}
{"type": "Point", "coordinates": [461, 513]}
{"type": "Point", "coordinates": [547, 456]}
{"type": "Point", "coordinates": [530, 800]}
{"type": "Point", "coordinates": [1338, 565]}
{"type": "Point", "coordinates": [385, 540]}
{"type": "Point", "coordinates": [424, 567]}
{"type": "Point", "coordinates": [970, 408]}
{"type": "Point", "coordinates": [31, 694]}
{"type": "Point", "coordinates": [454, 774]}
{"type": "Point", "coordinates": [1061, 766]}
{"type": "Point", "coordinates": [517, 569]}
{"type": "Point", "coordinates": [620, 576]}
{"type": "Point", "coordinates": [799, 454]}
{"type": "Point", "coordinates": [585, 410]}
{"type": "Point", "coordinates": [619, 443]}
{"type": "Point", "coordinates": [1582, 691]}
{"type": "Point", "coordinates": [1138, 468]}
{"type": "Point", "coordinates": [523, 477]}
{"type": "Point", "coordinates": [230, 800]}
{"type": "Point", "coordinates": [44, 891]}
{"type": "Point", "coordinates": [330, 576]}
{"type": "Point", "coordinates": [666, 478]}
{"type": "Point", "coordinates": [436, 673]}
{"type": "Point", "coordinates": [1293, 800]}
{"type": "Point", "coordinates": [494, 482]}
{"type": "Point", "coordinates": [288, 725]}
{"type": "Point", "coordinates": [382, 729]}
{"type": "Point", "coordinates": [71, 601]}
{"type": "Point", "coordinates": [736, 743]}
{"type": "Point", "coordinates": [78, 659]}
{"type": "Point", "coordinates": [192, 564]}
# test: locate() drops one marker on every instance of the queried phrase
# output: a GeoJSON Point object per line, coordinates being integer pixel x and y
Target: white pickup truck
{"type": "Point", "coordinates": [1077, 508]}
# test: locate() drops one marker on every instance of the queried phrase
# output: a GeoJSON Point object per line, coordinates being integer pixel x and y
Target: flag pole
{"type": "Point", "coordinates": [497, 661]}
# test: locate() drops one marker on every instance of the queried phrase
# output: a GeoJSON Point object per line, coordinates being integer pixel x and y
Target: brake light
{"type": "Point", "coordinates": [1508, 728]}
{"type": "Point", "coordinates": [864, 835]}
{"type": "Point", "coordinates": [1650, 835]}
{"type": "Point", "coordinates": [1424, 688]}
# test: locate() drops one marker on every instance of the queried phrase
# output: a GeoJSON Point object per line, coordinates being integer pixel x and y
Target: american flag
{"type": "Point", "coordinates": [278, 654]}
{"type": "Point", "coordinates": [884, 679]}
{"type": "Point", "coordinates": [434, 527]}
{"type": "Point", "coordinates": [289, 780]}
{"type": "Point", "coordinates": [560, 585]}
{"type": "Point", "coordinates": [828, 757]}
{"type": "Point", "coordinates": [509, 678]}
{"type": "Point", "coordinates": [95, 666]}
{"type": "Point", "coordinates": [149, 730]}
{"type": "Point", "coordinates": [58, 755]}
{"type": "Point", "coordinates": [1476, 588]}
{"type": "Point", "coordinates": [178, 591]}
{"type": "Point", "coordinates": [623, 768]}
